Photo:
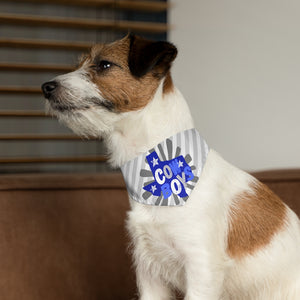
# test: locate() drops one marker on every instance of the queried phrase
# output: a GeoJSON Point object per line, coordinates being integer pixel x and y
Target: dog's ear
{"type": "Point", "coordinates": [145, 55]}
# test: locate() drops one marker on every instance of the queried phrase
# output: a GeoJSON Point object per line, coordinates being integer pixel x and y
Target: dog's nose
{"type": "Point", "coordinates": [48, 88]}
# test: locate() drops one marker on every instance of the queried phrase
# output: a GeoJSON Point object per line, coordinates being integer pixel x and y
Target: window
{"type": "Point", "coordinates": [39, 40]}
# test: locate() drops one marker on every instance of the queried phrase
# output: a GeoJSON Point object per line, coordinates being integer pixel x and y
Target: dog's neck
{"type": "Point", "coordinates": [139, 131]}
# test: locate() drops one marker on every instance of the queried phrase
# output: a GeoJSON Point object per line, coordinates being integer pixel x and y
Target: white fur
{"type": "Point", "coordinates": [136, 132]}
{"type": "Point", "coordinates": [185, 247]}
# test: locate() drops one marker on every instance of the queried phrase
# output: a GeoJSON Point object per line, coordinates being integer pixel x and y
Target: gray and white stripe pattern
{"type": "Point", "coordinates": [137, 172]}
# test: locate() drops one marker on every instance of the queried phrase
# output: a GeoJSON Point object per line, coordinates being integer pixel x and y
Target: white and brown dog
{"type": "Point", "coordinates": [233, 239]}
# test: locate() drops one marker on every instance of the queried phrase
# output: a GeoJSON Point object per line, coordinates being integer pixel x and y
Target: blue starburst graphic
{"type": "Point", "coordinates": [170, 176]}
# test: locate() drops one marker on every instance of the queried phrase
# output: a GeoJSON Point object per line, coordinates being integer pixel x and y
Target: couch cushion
{"type": "Point", "coordinates": [62, 236]}
{"type": "Point", "coordinates": [285, 183]}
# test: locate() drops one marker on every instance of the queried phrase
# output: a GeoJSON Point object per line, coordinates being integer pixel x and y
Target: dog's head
{"type": "Point", "coordinates": [111, 80]}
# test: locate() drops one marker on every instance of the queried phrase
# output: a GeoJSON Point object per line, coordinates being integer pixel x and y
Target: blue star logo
{"type": "Point", "coordinates": [170, 176]}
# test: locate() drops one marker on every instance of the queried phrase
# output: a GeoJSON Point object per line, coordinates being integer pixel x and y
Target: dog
{"type": "Point", "coordinates": [231, 238]}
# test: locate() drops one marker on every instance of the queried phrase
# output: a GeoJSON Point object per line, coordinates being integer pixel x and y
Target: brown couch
{"type": "Point", "coordinates": [62, 237]}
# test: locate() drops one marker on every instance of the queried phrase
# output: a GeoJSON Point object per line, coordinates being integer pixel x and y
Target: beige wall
{"type": "Point", "coordinates": [239, 69]}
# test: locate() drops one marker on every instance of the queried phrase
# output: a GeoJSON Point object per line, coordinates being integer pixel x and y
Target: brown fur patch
{"type": "Point", "coordinates": [254, 219]}
{"type": "Point", "coordinates": [168, 86]}
{"type": "Point", "coordinates": [117, 85]}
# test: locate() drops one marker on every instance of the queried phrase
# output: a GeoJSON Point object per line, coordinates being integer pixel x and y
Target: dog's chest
{"type": "Point", "coordinates": [155, 249]}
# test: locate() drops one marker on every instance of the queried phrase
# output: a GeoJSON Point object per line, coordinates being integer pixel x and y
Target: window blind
{"type": "Point", "coordinates": [40, 39]}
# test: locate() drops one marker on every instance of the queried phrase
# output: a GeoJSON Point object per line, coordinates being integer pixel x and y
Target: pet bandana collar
{"type": "Point", "coordinates": [167, 174]}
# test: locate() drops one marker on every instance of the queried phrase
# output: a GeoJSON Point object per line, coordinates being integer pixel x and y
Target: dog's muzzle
{"type": "Point", "coordinates": [49, 88]}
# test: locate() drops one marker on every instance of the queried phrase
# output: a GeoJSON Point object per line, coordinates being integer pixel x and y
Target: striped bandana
{"type": "Point", "coordinates": [167, 174]}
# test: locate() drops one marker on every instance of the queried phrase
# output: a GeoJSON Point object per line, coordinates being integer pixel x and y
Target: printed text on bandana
{"type": "Point", "coordinates": [170, 177]}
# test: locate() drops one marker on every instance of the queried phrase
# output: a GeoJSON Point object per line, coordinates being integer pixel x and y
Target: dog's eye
{"type": "Point", "coordinates": [103, 65]}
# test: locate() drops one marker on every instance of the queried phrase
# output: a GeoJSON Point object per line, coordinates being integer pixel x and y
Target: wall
{"type": "Point", "coordinates": [239, 69]}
